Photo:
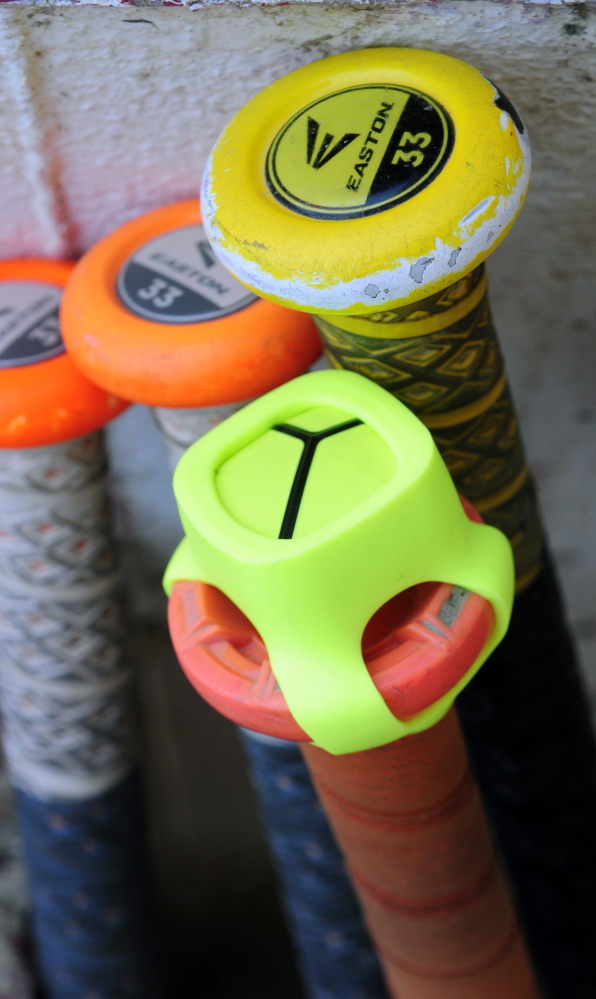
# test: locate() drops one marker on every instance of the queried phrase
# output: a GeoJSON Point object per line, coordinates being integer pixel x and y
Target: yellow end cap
{"type": "Point", "coordinates": [366, 180]}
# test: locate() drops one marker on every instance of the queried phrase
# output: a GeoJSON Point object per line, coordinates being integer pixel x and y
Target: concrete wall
{"type": "Point", "coordinates": [108, 111]}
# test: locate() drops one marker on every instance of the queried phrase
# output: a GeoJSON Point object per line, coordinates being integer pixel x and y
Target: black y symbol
{"type": "Point", "coordinates": [310, 439]}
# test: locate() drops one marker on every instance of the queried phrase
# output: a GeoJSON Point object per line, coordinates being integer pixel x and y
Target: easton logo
{"type": "Point", "coordinates": [324, 154]}
{"type": "Point", "coordinates": [379, 145]}
{"type": "Point", "coordinates": [176, 278]}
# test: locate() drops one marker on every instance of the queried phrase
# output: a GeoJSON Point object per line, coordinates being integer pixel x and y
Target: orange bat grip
{"type": "Point", "coordinates": [410, 823]}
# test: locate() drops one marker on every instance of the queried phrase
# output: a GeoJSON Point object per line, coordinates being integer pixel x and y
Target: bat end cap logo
{"type": "Point", "coordinates": [359, 151]}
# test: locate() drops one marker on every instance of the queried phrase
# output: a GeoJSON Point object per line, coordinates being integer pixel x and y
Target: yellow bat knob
{"type": "Point", "coordinates": [366, 180]}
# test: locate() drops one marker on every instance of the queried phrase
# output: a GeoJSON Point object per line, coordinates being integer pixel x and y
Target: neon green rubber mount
{"type": "Point", "coordinates": [312, 507]}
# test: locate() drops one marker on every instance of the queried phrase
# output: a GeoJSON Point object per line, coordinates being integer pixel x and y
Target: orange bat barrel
{"type": "Point", "coordinates": [410, 823]}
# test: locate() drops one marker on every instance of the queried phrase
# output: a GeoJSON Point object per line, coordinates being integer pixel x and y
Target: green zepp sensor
{"type": "Point", "coordinates": [309, 509]}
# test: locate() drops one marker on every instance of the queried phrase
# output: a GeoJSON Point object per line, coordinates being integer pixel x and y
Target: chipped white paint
{"type": "Point", "coordinates": [479, 230]}
{"type": "Point", "coordinates": [481, 207]}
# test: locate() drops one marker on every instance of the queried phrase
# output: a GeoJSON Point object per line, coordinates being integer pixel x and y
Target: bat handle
{"type": "Point", "coordinates": [409, 820]}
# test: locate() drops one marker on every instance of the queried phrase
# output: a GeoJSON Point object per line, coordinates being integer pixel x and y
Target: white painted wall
{"type": "Point", "coordinates": [108, 111]}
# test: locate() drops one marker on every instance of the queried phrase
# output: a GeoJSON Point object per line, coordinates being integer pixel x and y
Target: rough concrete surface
{"type": "Point", "coordinates": [111, 110]}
